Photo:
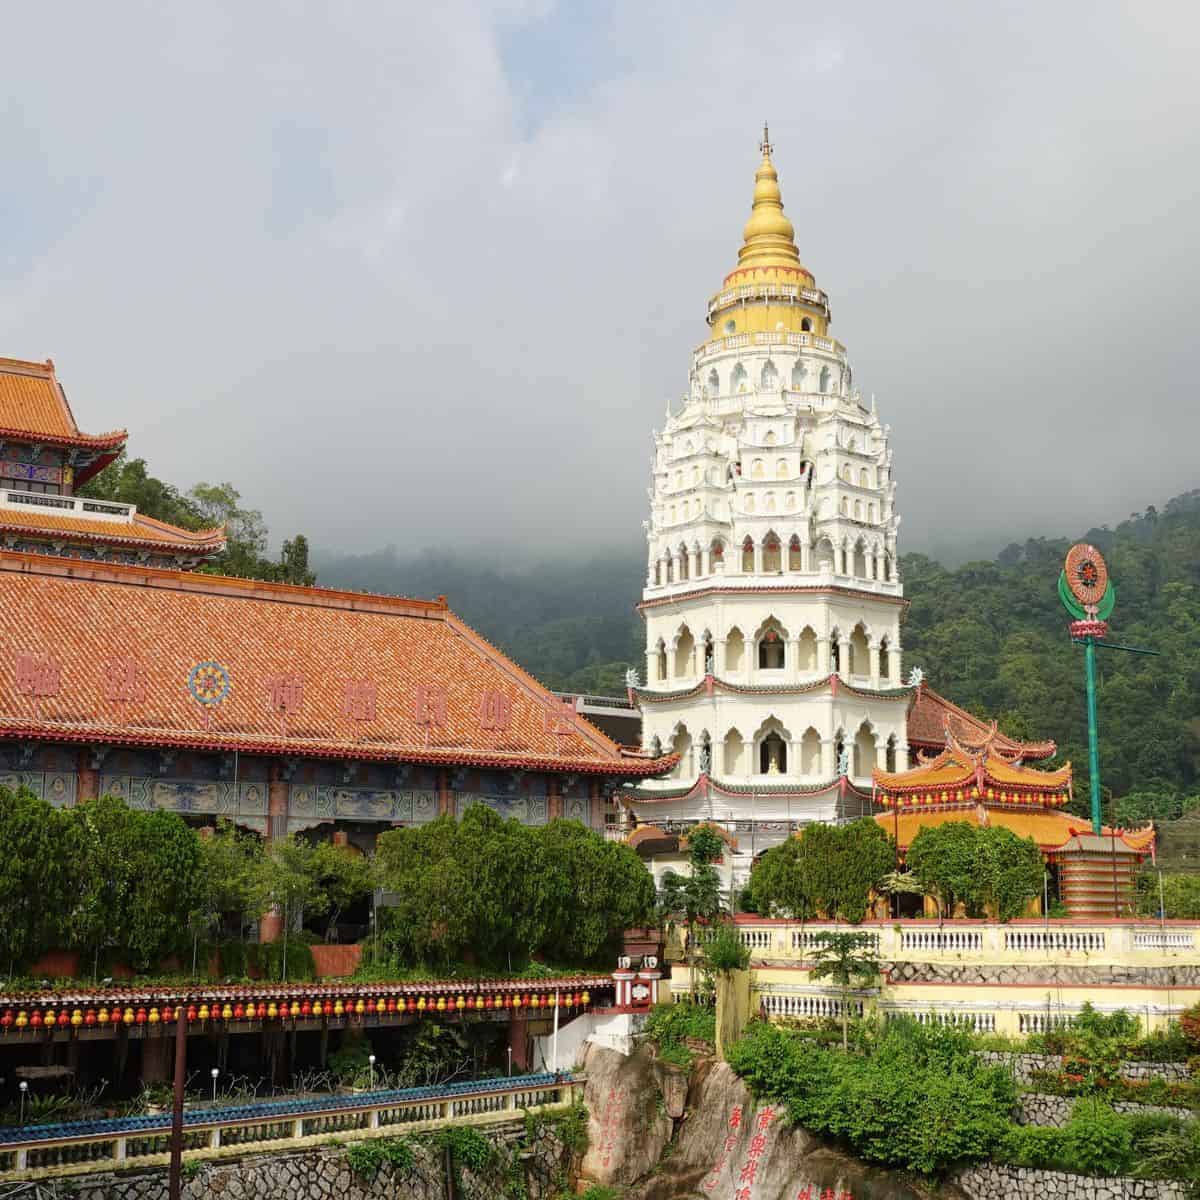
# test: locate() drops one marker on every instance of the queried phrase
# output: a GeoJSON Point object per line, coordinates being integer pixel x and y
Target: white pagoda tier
{"type": "Point", "coordinates": [772, 599]}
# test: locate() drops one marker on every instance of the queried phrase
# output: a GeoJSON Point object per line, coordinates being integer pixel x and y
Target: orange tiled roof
{"type": "Point", "coordinates": [141, 531]}
{"type": "Point", "coordinates": [931, 716]}
{"type": "Point", "coordinates": [958, 775]}
{"type": "Point", "coordinates": [148, 628]}
{"type": "Point", "coordinates": [1051, 830]}
{"type": "Point", "coordinates": [33, 404]}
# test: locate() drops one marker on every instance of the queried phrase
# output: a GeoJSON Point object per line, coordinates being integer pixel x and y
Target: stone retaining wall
{"type": "Point", "coordinates": [989, 1182]}
{"type": "Point", "coordinates": [1079, 974]}
{"type": "Point", "coordinates": [1036, 1108]}
{"type": "Point", "coordinates": [325, 1174]}
{"type": "Point", "coordinates": [1024, 1065]}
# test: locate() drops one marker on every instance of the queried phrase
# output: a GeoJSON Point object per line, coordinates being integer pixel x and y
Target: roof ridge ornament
{"type": "Point", "coordinates": [765, 145]}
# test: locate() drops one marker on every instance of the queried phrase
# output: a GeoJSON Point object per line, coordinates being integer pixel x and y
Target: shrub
{"type": "Point", "coordinates": [1096, 1140]}
{"type": "Point", "coordinates": [668, 1025]}
{"type": "Point", "coordinates": [724, 951]}
{"type": "Point", "coordinates": [365, 1158]}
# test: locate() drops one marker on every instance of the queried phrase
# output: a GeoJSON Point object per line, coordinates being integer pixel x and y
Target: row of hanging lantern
{"type": "Point", "coordinates": [306, 1009]}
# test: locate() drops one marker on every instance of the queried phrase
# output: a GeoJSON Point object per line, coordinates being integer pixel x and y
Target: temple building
{"type": "Point", "coordinates": [44, 459]}
{"type": "Point", "coordinates": [772, 601]}
{"type": "Point", "coordinates": [985, 784]}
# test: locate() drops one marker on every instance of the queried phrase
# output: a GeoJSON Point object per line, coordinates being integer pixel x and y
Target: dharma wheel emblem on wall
{"type": "Point", "coordinates": [209, 683]}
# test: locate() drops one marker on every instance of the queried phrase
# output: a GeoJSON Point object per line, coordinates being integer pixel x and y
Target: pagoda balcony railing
{"type": "Point", "coordinates": [82, 506]}
{"type": "Point", "coordinates": [742, 341]}
{"type": "Point", "coordinates": [768, 291]}
{"type": "Point", "coordinates": [1027, 941]}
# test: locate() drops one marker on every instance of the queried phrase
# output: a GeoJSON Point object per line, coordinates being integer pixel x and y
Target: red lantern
{"type": "Point", "coordinates": [35, 1021]}
{"type": "Point", "coordinates": [191, 1012]}
{"type": "Point", "coordinates": [284, 1011]}
{"type": "Point", "coordinates": [239, 1011]}
{"type": "Point", "coordinates": [262, 1010]}
{"type": "Point", "coordinates": [391, 1004]}
{"type": "Point", "coordinates": [329, 1008]}
{"type": "Point", "coordinates": [168, 1013]}
{"type": "Point", "coordinates": [139, 1017]}
{"type": "Point", "coordinates": [8, 1018]}
{"type": "Point", "coordinates": [89, 1017]}
{"type": "Point", "coordinates": [412, 1004]}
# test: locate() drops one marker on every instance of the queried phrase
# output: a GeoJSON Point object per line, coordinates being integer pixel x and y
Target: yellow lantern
{"type": "Point", "coordinates": [421, 1004]}
{"type": "Point", "coordinates": [586, 997]}
{"type": "Point", "coordinates": [360, 1007]}
{"type": "Point", "coordinates": [272, 1010]}
{"type": "Point", "coordinates": [102, 1016]}
{"type": "Point", "coordinates": [203, 1014]}
{"type": "Point", "coordinates": [128, 1017]}
{"type": "Point", "coordinates": [227, 1012]}
{"type": "Point", "coordinates": [77, 1018]}
{"type": "Point", "coordinates": [441, 1004]}
{"type": "Point", "coordinates": [22, 1020]}
{"type": "Point", "coordinates": [153, 1018]}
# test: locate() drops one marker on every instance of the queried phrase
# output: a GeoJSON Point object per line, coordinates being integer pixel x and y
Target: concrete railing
{"type": "Point", "coordinates": [1017, 942]}
{"type": "Point", "coordinates": [81, 1146]}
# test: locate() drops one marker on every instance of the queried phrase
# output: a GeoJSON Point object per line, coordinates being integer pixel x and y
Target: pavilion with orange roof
{"type": "Point", "coordinates": [45, 459]}
{"type": "Point", "coordinates": [987, 784]}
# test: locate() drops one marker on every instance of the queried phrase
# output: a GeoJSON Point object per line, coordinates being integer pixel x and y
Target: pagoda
{"type": "Point", "coordinates": [987, 784]}
{"type": "Point", "coordinates": [772, 599]}
{"type": "Point", "coordinates": [45, 459]}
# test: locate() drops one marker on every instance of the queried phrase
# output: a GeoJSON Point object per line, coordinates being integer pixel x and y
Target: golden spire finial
{"type": "Point", "coordinates": [770, 240]}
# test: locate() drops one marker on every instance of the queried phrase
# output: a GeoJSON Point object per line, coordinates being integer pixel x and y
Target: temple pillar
{"type": "Point", "coordinates": [553, 798]}
{"type": "Point", "coordinates": [902, 757]}
{"type": "Point", "coordinates": [651, 666]}
{"type": "Point", "coordinates": [822, 656]}
{"type": "Point", "coordinates": [445, 795]}
{"type": "Point", "coordinates": [720, 662]}
{"type": "Point", "coordinates": [894, 663]}
{"type": "Point", "coordinates": [694, 564]}
{"type": "Point", "coordinates": [881, 750]}
{"type": "Point", "coordinates": [873, 655]}
{"type": "Point", "coordinates": [844, 658]}
{"type": "Point", "coordinates": [270, 925]}
{"type": "Point", "coordinates": [805, 558]}
{"type": "Point", "coordinates": [828, 765]}
{"type": "Point", "coordinates": [706, 562]}
{"type": "Point", "coordinates": [758, 558]}
{"type": "Point", "coordinates": [88, 787]}
{"type": "Point", "coordinates": [518, 1044]}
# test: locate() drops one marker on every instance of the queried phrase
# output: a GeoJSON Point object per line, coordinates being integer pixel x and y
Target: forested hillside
{"type": "Point", "coordinates": [991, 635]}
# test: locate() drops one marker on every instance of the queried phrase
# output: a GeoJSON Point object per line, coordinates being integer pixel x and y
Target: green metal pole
{"type": "Point", "coordinates": [1093, 732]}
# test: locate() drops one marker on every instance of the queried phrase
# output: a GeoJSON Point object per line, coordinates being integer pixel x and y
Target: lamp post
{"type": "Point", "coordinates": [24, 1090]}
{"type": "Point", "coordinates": [215, 1072]}
{"type": "Point", "coordinates": [371, 1064]}
{"type": "Point", "coordinates": [510, 1062]}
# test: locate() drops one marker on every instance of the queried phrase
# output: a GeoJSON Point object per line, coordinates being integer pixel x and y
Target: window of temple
{"type": "Point", "coordinates": [835, 651]}
{"type": "Point", "coordinates": [678, 480]}
{"type": "Point", "coordinates": [739, 380]}
{"type": "Point", "coordinates": [890, 754]}
{"type": "Point", "coordinates": [735, 748]}
{"type": "Point", "coordinates": [810, 752]}
{"type": "Point", "coordinates": [860, 658]}
{"type": "Point", "coordinates": [825, 554]}
{"type": "Point", "coordinates": [771, 553]}
{"type": "Point", "coordinates": [806, 325]}
{"type": "Point", "coordinates": [716, 552]}
{"type": "Point", "coordinates": [795, 554]}
{"type": "Point", "coordinates": [824, 384]}
{"type": "Point", "coordinates": [656, 745]}
{"type": "Point", "coordinates": [885, 659]}
{"type": "Point", "coordinates": [860, 560]}
{"type": "Point", "coordinates": [846, 474]}
{"type": "Point", "coordinates": [685, 653]}
{"type": "Point", "coordinates": [750, 502]}
{"type": "Point", "coordinates": [770, 502]}
{"type": "Point", "coordinates": [864, 478]}
{"type": "Point", "coordinates": [695, 474]}
{"type": "Point", "coordinates": [758, 469]}
{"type": "Point", "coordinates": [887, 567]}
{"type": "Point", "coordinates": [661, 660]}
{"type": "Point", "coordinates": [864, 750]}
{"type": "Point", "coordinates": [799, 371]}
{"type": "Point", "coordinates": [845, 507]}
{"type": "Point", "coordinates": [771, 651]}
{"type": "Point", "coordinates": [681, 557]}
{"type": "Point", "coordinates": [735, 647]}
{"type": "Point", "coordinates": [772, 755]}
{"type": "Point", "coordinates": [859, 511]}
{"type": "Point", "coordinates": [839, 750]}
{"type": "Point", "coordinates": [770, 377]}
{"type": "Point", "coordinates": [789, 501]}
{"type": "Point", "coordinates": [748, 551]}
{"type": "Point", "coordinates": [770, 438]}
{"type": "Point", "coordinates": [714, 383]}
{"type": "Point", "coordinates": [709, 657]}
{"type": "Point", "coordinates": [782, 471]}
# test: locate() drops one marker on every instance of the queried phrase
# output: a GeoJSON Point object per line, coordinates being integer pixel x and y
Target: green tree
{"type": "Point", "coordinates": [229, 873]}
{"type": "Point", "coordinates": [288, 883]}
{"type": "Point", "coordinates": [1010, 869]}
{"type": "Point", "coordinates": [343, 876]}
{"type": "Point", "coordinates": [984, 868]}
{"type": "Point", "coordinates": [944, 859]}
{"type": "Point", "coordinates": [696, 896]}
{"type": "Point", "coordinates": [34, 870]}
{"type": "Point", "coordinates": [849, 960]}
{"type": "Point", "coordinates": [164, 887]}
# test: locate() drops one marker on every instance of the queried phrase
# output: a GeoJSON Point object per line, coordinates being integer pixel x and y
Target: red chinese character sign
{"type": "Point", "coordinates": [495, 710]}
{"type": "Point", "coordinates": [209, 684]}
{"type": "Point", "coordinates": [124, 681]}
{"type": "Point", "coordinates": [558, 718]}
{"type": "Point", "coordinates": [38, 676]}
{"type": "Point", "coordinates": [429, 707]}
{"type": "Point", "coordinates": [286, 696]}
{"type": "Point", "coordinates": [358, 699]}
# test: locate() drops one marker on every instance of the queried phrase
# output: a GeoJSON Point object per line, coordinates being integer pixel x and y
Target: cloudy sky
{"type": "Point", "coordinates": [428, 273]}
